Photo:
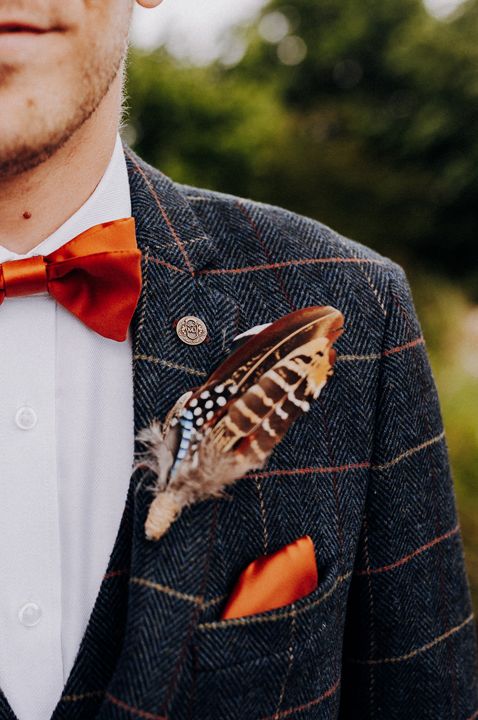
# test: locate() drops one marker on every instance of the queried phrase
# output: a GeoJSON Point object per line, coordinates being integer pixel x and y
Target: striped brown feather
{"type": "Point", "coordinates": [232, 423]}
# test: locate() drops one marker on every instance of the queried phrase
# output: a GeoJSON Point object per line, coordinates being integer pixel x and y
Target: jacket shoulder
{"type": "Point", "coordinates": [296, 232]}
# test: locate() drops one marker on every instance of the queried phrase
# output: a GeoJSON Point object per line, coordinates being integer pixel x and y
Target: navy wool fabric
{"type": "Point", "coordinates": [389, 632]}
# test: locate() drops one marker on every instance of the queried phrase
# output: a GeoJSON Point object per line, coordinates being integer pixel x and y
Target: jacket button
{"type": "Point", "coordinates": [191, 330]}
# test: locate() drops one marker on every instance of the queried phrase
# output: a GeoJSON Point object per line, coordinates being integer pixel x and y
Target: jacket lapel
{"type": "Point", "coordinates": [167, 578]}
{"type": "Point", "coordinates": [175, 250]}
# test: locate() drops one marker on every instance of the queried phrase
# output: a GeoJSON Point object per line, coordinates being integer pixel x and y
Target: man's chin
{"type": "Point", "coordinates": [34, 124]}
{"type": "Point", "coordinates": [28, 148]}
{"type": "Point", "coordinates": [17, 157]}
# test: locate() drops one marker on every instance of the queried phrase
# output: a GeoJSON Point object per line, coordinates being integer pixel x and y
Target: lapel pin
{"type": "Point", "coordinates": [191, 330]}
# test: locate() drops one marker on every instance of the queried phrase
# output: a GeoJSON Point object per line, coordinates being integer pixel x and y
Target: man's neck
{"type": "Point", "coordinates": [33, 205]}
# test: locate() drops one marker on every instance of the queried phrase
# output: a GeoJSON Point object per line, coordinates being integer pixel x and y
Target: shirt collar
{"type": "Point", "coordinates": [110, 200]}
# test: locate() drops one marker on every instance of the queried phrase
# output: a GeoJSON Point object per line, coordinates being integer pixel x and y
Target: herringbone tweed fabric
{"type": "Point", "coordinates": [389, 632]}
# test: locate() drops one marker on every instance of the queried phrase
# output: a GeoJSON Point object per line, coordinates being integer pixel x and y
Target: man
{"type": "Point", "coordinates": [97, 621]}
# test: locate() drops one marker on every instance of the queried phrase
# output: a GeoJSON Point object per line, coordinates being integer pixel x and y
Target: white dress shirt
{"type": "Point", "coordinates": [66, 457]}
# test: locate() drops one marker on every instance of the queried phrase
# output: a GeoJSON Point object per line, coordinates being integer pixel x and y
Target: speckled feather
{"type": "Point", "coordinates": [218, 432]}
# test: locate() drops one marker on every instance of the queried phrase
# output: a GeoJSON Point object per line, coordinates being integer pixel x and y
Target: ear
{"type": "Point", "coordinates": [149, 3]}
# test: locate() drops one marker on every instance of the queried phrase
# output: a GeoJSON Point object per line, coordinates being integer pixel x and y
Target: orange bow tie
{"type": "Point", "coordinates": [96, 276]}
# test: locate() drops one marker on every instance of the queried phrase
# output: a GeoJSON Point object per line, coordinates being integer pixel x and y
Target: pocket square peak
{"type": "Point", "coordinates": [275, 580]}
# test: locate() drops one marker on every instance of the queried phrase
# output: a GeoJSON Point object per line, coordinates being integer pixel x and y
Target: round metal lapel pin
{"type": "Point", "coordinates": [191, 330]}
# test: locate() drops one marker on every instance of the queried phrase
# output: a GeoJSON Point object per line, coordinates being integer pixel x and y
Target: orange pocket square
{"type": "Point", "coordinates": [274, 580]}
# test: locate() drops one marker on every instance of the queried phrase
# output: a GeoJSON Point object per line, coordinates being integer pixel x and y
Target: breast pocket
{"type": "Point", "coordinates": [255, 667]}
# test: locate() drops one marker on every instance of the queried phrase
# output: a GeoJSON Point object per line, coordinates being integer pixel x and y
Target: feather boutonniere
{"type": "Point", "coordinates": [216, 433]}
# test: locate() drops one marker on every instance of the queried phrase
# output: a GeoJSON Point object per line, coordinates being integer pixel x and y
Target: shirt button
{"type": "Point", "coordinates": [191, 330]}
{"type": "Point", "coordinates": [26, 417]}
{"type": "Point", "coordinates": [29, 614]}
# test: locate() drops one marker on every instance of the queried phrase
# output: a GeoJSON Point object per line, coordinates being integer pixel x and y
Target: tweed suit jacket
{"type": "Point", "coordinates": [389, 631]}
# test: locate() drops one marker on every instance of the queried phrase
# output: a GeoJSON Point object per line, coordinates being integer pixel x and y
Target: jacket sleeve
{"type": "Point", "coordinates": [410, 647]}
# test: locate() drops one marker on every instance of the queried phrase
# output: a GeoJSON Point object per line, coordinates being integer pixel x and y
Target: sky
{"type": "Point", "coordinates": [193, 29]}
{"type": "Point", "coordinates": [442, 8]}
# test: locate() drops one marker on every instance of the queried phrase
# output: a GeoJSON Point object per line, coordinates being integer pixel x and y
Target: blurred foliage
{"type": "Point", "coordinates": [361, 114]}
{"type": "Point", "coordinates": [364, 116]}
{"type": "Point", "coordinates": [203, 127]}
